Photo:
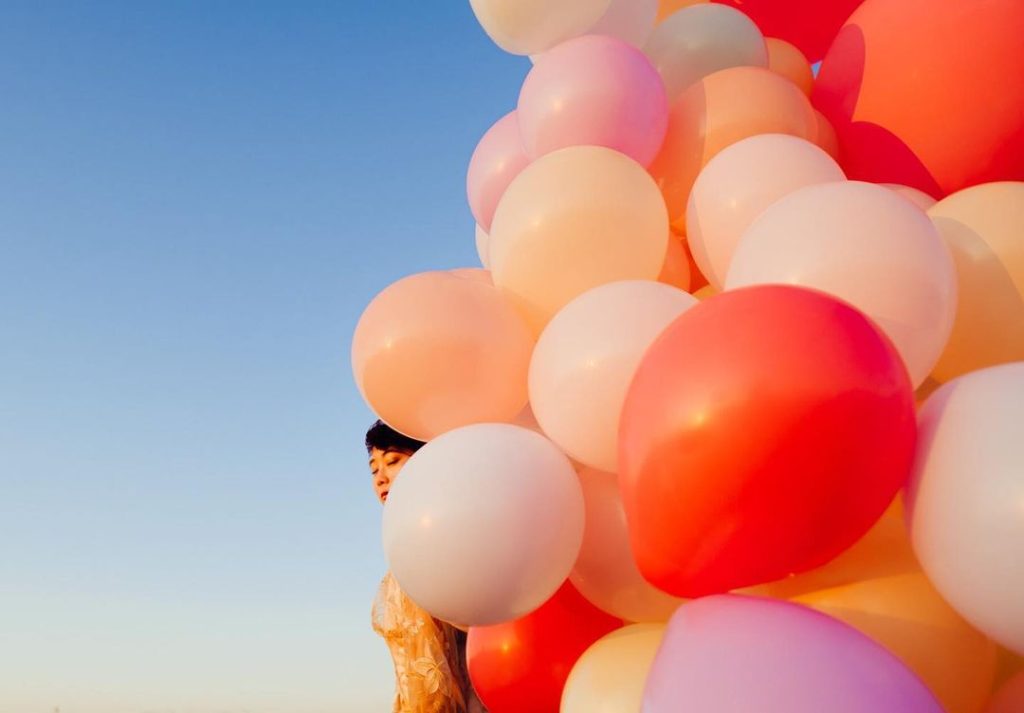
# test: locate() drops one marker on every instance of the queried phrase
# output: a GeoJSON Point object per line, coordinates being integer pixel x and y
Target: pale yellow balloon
{"type": "Point", "coordinates": [906, 615]}
{"type": "Point", "coordinates": [984, 228]}
{"type": "Point", "coordinates": [609, 677]}
{"type": "Point", "coordinates": [532, 26]}
{"type": "Point", "coordinates": [702, 39]}
{"type": "Point", "coordinates": [737, 186]}
{"type": "Point", "coordinates": [915, 195]}
{"type": "Point", "coordinates": [787, 60]}
{"type": "Point", "coordinates": [572, 220]}
{"type": "Point", "coordinates": [605, 571]}
{"type": "Point", "coordinates": [704, 292]}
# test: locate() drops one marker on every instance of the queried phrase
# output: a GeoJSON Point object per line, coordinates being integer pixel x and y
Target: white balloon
{"type": "Point", "coordinates": [866, 245]}
{"type": "Point", "coordinates": [630, 20]}
{"type": "Point", "coordinates": [484, 524]}
{"type": "Point", "coordinates": [966, 499]}
{"type": "Point", "coordinates": [532, 26]}
{"type": "Point", "coordinates": [585, 360]}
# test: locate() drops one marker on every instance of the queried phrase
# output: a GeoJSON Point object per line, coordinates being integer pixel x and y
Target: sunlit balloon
{"type": "Point", "coordinates": [532, 26]}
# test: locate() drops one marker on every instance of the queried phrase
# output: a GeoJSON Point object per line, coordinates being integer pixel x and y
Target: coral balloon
{"type": "Point", "coordinates": [436, 351]}
{"type": "Point", "coordinates": [700, 40]}
{"type": "Point", "coordinates": [897, 65]}
{"type": "Point", "coordinates": [966, 519]}
{"type": "Point", "coordinates": [505, 542]}
{"type": "Point", "coordinates": [737, 186]}
{"type": "Point", "coordinates": [676, 270]}
{"type": "Point", "coordinates": [586, 357]}
{"type": "Point", "coordinates": [498, 158]}
{"type": "Point", "coordinates": [1009, 698]}
{"type": "Point", "coordinates": [571, 221]}
{"type": "Point", "coordinates": [788, 61]}
{"type": "Point", "coordinates": [919, 198]}
{"type": "Point", "coordinates": [863, 244]}
{"type": "Point", "coordinates": [532, 26]}
{"type": "Point", "coordinates": [908, 617]}
{"type": "Point", "coordinates": [629, 20]}
{"type": "Point", "coordinates": [810, 25]}
{"type": "Point", "coordinates": [609, 677]}
{"type": "Point", "coordinates": [522, 665]}
{"type": "Point", "coordinates": [751, 448]}
{"type": "Point", "coordinates": [731, 654]}
{"type": "Point", "coordinates": [605, 572]}
{"type": "Point", "coordinates": [984, 228]}
{"type": "Point", "coordinates": [721, 109]}
{"type": "Point", "coordinates": [593, 91]}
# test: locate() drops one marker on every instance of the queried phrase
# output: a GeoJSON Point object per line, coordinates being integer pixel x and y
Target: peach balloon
{"type": "Point", "coordinates": [597, 91]}
{"type": "Point", "coordinates": [721, 109]}
{"type": "Point", "coordinates": [676, 270]}
{"type": "Point", "coordinates": [863, 244]}
{"type": "Point", "coordinates": [884, 551]}
{"type": "Point", "coordinates": [787, 60]}
{"type": "Point", "coordinates": [700, 40]}
{"type": "Point", "coordinates": [984, 228]}
{"type": "Point", "coordinates": [668, 7]}
{"type": "Point", "coordinates": [1009, 698]}
{"type": "Point", "coordinates": [585, 359]}
{"type": "Point", "coordinates": [629, 20]}
{"type": "Point", "coordinates": [532, 26]}
{"type": "Point", "coordinates": [497, 159]}
{"type": "Point", "coordinates": [737, 186]}
{"type": "Point", "coordinates": [915, 195]}
{"type": "Point", "coordinates": [571, 221]}
{"type": "Point", "coordinates": [609, 677]}
{"type": "Point", "coordinates": [826, 136]}
{"type": "Point", "coordinates": [436, 351]}
{"type": "Point", "coordinates": [605, 572]}
{"type": "Point", "coordinates": [907, 616]}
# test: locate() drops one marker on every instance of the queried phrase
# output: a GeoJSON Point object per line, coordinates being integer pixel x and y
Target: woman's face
{"type": "Point", "coordinates": [384, 465]}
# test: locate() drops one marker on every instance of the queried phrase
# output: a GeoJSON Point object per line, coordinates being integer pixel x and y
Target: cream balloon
{"type": "Point", "coordinates": [585, 360]}
{"type": "Point", "coordinates": [484, 524]}
{"type": "Point", "coordinates": [629, 20]}
{"type": "Point", "coordinates": [609, 677]}
{"type": "Point", "coordinates": [984, 228]}
{"type": "Point", "coordinates": [532, 26]}
{"type": "Point", "coordinates": [701, 39]}
{"type": "Point", "coordinates": [915, 195]}
{"type": "Point", "coordinates": [737, 186]}
{"type": "Point", "coordinates": [966, 499]}
{"type": "Point", "coordinates": [482, 240]}
{"type": "Point", "coordinates": [573, 220]}
{"type": "Point", "coordinates": [864, 244]}
{"type": "Point", "coordinates": [605, 571]}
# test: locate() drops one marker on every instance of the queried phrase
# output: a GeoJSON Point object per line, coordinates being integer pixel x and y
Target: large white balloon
{"type": "Point", "coordinates": [484, 524]}
{"type": "Point", "coordinates": [585, 360]}
{"type": "Point", "coordinates": [966, 499]}
{"type": "Point", "coordinates": [532, 26]}
{"type": "Point", "coordinates": [866, 245]}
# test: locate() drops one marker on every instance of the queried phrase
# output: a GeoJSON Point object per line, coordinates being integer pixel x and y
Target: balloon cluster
{"type": "Point", "coordinates": [733, 419]}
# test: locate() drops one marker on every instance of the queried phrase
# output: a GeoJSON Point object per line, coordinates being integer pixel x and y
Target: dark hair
{"type": "Point", "coordinates": [382, 437]}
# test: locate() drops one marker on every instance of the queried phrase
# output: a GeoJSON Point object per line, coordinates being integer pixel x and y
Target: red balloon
{"type": "Point", "coordinates": [808, 24]}
{"type": "Point", "coordinates": [768, 448]}
{"type": "Point", "coordinates": [522, 665]}
{"type": "Point", "coordinates": [928, 93]}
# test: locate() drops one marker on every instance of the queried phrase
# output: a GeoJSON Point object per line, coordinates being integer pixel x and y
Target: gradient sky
{"type": "Point", "coordinates": [197, 200]}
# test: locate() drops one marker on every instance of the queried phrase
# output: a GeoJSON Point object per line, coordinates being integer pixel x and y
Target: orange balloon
{"type": "Point", "coordinates": [907, 616]}
{"type": "Point", "coordinates": [716, 112]}
{"type": "Point", "coordinates": [437, 350]}
{"type": "Point", "coordinates": [1009, 698]}
{"type": "Point", "coordinates": [826, 135]}
{"type": "Point", "coordinates": [667, 7]}
{"type": "Point", "coordinates": [676, 270]}
{"type": "Point", "coordinates": [928, 93]}
{"type": "Point", "coordinates": [787, 60]}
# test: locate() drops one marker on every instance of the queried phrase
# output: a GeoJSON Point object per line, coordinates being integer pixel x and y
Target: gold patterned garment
{"type": "Point", "coordinates": [428, 674]}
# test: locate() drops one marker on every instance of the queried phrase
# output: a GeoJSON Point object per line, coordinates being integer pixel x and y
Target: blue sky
{"type": "Point", "coordinates": [196, 202]}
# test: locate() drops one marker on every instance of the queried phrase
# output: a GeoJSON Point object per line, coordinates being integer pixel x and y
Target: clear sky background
{"type": "Point", "coordinates": [197, 200]}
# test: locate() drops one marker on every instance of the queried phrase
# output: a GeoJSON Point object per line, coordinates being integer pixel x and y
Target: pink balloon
{"type": "Point", "coordinates": [733, 654]}
{"type": "Point", "coordinates": [594, 91]}
{"type": "Point", "coordinates": [498, 158]}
